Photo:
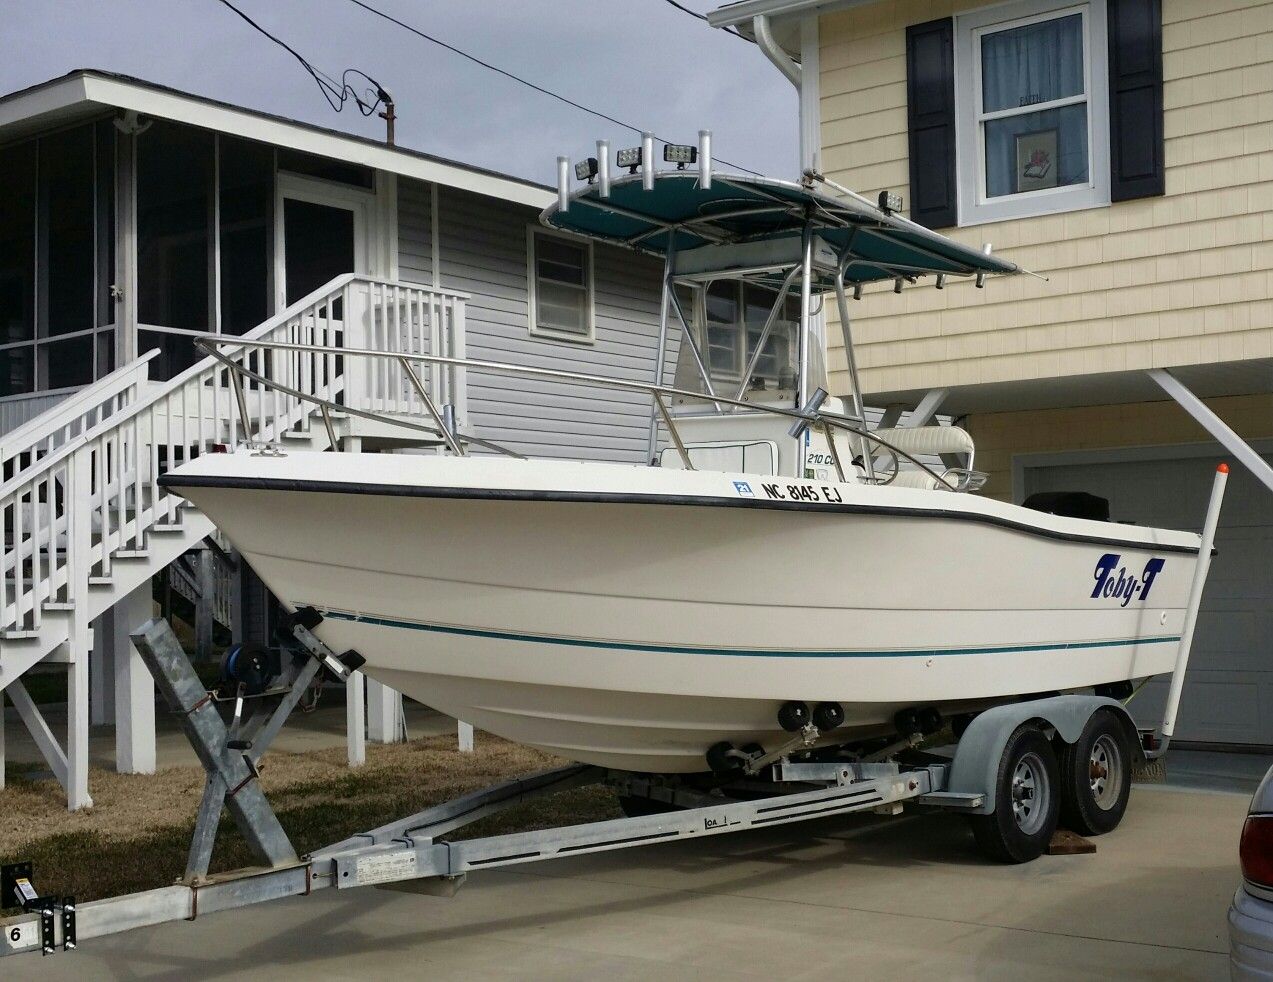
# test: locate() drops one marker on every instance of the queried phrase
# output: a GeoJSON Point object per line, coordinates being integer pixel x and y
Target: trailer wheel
{"type": "Point", "coordinates": [1026, 805]}
{"type": "Point", "coordinates": [1096, 776]}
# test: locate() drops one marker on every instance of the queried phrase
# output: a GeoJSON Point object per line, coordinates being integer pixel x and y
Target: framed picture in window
{"type": "Point", "coordinates": [1036, 160]}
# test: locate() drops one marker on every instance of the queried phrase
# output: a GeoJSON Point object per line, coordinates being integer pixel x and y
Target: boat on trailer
{"type": "Point", "coordinates": [783, 573]}
{"type": "Point", "coordinates": [760, 631]}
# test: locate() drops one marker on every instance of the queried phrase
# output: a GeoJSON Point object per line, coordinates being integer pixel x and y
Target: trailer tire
{"type": "Point", "coordinates": [1096, 776]}
{"type": "Point", "coordinates": [1026, 796]}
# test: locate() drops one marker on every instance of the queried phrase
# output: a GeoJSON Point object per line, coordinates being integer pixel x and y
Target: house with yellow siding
{"type": "Point", "coordinates": [1122, 150]}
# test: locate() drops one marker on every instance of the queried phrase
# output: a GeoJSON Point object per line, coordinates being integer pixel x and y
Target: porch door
{"type": "Point", "coordinates": [322, 234]}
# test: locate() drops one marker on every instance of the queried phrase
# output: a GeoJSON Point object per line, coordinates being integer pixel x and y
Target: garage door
{"type": "Point", "coordinates": [1228, 695]}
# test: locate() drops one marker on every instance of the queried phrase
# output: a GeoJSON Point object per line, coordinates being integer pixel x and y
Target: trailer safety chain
{"type": "Point", "coordinates": [207, 698]}
{"type": "Point", "coordinates": [245, 782]}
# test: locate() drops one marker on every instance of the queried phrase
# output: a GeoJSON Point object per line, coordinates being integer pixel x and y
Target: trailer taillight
{"type": "Point", "coordinates": [1256, 849]}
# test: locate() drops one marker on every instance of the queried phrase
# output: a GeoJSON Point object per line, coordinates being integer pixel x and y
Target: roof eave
{"type": "Point", "coordinates": [59, 99]}
{"type": "Point", "coordinates": [740, 15]}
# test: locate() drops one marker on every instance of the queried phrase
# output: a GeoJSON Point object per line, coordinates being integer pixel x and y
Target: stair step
{"type": "Point", "coordinates": [19, 634]}
{"type": "Point", "coordinates": [131, 554]}
{"type": "Point", "coordinates": [167, 529]}
{"type": "Point", "coordinates": [53, 606]}
{"type": "Point", "coordinates": [101, 581]}
{"type": "Point", "coordinates": [297, 435]}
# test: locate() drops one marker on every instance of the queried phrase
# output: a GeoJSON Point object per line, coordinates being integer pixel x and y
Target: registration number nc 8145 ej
{"type": "Point", "coordinates": [803, 492]}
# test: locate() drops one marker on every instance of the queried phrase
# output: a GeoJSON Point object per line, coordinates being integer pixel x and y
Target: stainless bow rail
{"type": "Point", "coordinates": [444, 434]}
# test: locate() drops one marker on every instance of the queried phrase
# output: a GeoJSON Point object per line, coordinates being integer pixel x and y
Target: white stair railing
{"type": "Point", "coordinates": [410, 320]}
{"type": "Point", "coordinates": [78, 413]}
{"type": "Point", "coordinates": [66, 519]}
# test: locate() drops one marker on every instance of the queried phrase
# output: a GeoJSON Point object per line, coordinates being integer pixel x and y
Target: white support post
{"type": "Point", "coordinates": [384, 713]}
{"type": "Point", "coordinates": [356, 719]}
{"type": "Point", "coordinates": [1, 739]}
{"type": "Point", "coordinates": [927, 408]}
{"type": "Point", "coordinates": [205, 611]}
{"type": "Point", "coordinates": [465, 736]}
{"type": "Point", "coordinates": [126, 342]}
{"type": "Point", "coordinates": [134, 686]}
{"type": "Point", "coordinates": [79, 640]}
{"type": "Point", "coordinates": [101, 674]}
{"type": "Point", "coordinates": [80, 644]}
{"type": "Point", "coordinates": [1214, 425]}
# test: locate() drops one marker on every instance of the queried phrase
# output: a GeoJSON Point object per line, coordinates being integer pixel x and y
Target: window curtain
{"type": "Point", "coordinates": [1035, 63]}
{"type": "Point", "coordinates": [1030, 65]}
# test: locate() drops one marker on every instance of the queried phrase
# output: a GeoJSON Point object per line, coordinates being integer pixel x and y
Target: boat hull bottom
{"type": "Point", "coordinates": [642, 732]}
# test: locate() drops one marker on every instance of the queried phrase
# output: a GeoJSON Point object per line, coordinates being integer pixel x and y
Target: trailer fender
{"type": "Point", "coordinates": [976, 763]}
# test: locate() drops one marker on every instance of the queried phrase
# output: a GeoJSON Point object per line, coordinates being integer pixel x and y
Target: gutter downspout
{"type": "Point", "coordinates": [805, 75]}
{"type": "Point", "coordinates": [765, 41]}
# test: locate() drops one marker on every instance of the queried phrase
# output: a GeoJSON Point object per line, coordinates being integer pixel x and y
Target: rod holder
{"type": "Point", "coordinates": [603, 168]}
{"type": "Point", "coordinates": [563, 183]}
{"type": "Point", "coordinates": [705, 159]}
{"type": "Point", "coordinates": [647, 161]}
{"type": "Point", "coordinates": [810, 408]}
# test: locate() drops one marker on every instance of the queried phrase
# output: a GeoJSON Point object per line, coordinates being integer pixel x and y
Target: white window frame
{"type": "Point", "coordinates": [532, 277]}
{"type": "Point", "coordinates": [974, 207]}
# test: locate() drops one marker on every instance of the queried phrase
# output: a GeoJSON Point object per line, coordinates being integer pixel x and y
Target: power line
{"type": "Point", "coordinates": [336, 94]}
{"type": "Point", "coordinates": [517, 78]}
{"type": "Point", "coordinates": [703, 17]}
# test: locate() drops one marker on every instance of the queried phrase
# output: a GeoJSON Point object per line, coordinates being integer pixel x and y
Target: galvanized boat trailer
{"type": "Point", "coordinates": [996, 771]}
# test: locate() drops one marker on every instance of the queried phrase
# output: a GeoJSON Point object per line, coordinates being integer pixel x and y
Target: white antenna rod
{"type": "Point", "coordinates": [705, 159]}
{"type": "Point", "coordinates": [603, 168]}
{"type": "Point", "coordinates": [1195, 600]}
{"type": "Point", "coordinates": [647, 161]}
{"type": "Point", "coordinates": [563, 183]}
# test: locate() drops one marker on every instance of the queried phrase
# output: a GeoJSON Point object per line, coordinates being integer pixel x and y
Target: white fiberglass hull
{"type": "Point", "coordinates": [632, 617]}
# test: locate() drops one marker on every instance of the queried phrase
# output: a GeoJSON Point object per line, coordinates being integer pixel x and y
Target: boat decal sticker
{"type": "Point", "coordinates": [1125, 586]}
{"type": "Point", "coordinates": [743, 488]}
{"type": "Point", "coordinates": [470, 632]}
{"type": "Point", "coordinates": [800, 502]}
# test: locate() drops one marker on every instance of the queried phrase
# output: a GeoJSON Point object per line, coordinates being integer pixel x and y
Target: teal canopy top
{"type": "Point", "coordinates": [870, 243]}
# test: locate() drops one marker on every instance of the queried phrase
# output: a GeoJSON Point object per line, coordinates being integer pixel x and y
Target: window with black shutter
{"type": "Point", "coordinates": [930, 114]}
{"type": "Point", "coordinates": [1032, 108]}
{"type": "Point", "coordinates": [1135, 99]}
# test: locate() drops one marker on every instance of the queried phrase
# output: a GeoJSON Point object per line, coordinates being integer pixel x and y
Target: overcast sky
{"type": "Point", "coordinates": [641, 61]}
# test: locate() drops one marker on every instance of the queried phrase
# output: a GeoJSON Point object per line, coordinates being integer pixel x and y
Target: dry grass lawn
{"type": "Point", "coordinates": [136, 834]}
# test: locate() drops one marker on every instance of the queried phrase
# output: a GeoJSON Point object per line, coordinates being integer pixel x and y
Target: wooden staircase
{"type": "Point", "coordinates": [83, 520]}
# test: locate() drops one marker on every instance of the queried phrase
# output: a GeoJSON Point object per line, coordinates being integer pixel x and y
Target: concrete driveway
{"type": "Point", "coordinates": [890, 898]}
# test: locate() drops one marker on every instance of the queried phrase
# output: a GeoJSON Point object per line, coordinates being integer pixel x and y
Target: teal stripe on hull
{"type": "Point", "coordinates": [466, 632]}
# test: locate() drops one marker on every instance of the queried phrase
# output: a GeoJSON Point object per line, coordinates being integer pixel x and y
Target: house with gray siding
{"type": "Point", "coordinates": [134, 218]}
{"type": "Point", "coordinates": [200, 198]}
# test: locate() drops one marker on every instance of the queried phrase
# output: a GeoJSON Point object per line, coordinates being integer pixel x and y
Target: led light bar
{"type": "Point", "coordinates": [629, 158]}
{"type": "Point", "coordinates": [680, 154]}
{"type": "Point", "coordinates": [586, 169]}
